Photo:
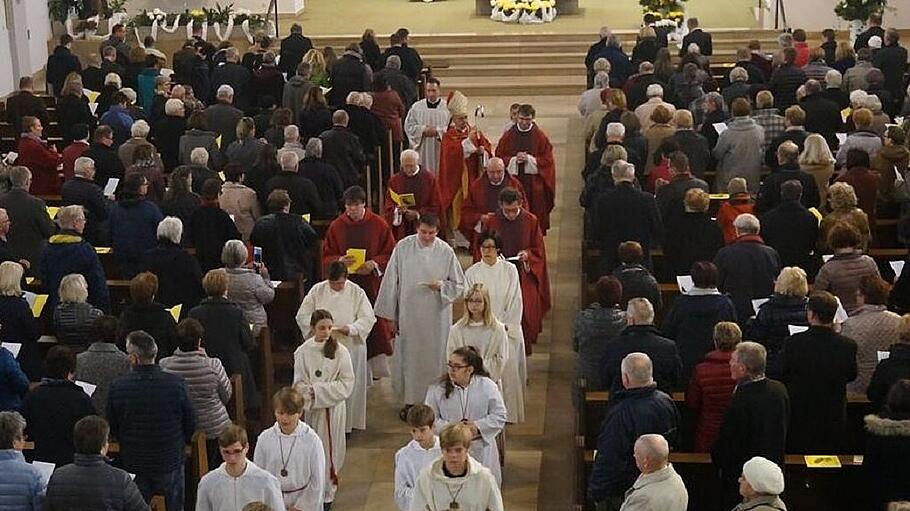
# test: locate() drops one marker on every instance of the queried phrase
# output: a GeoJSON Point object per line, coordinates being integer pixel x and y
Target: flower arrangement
{"type": "Point", "coordinates": [664, 9]}
{"type": "Point", "coordinates": [523, 11]}
{"type": "Point", "coordinates": [859, 9]}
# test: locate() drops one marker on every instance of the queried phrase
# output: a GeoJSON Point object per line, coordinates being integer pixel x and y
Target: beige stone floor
{"type": "Point", "coordinates": [539, 471]}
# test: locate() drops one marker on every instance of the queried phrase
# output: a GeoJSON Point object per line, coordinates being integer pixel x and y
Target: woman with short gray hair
{"type": "Point", "coordinates": [248, 285]}
{"type": "Point", "coordinates": [73, 316]}
{"type": "Point", "coordinates": [179, 275]}
{"type": "Point", "coordinates": [23, 486]}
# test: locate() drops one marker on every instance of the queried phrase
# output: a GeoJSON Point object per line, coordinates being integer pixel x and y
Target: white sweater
{"type": "Point", "coordinates": [218, 491]}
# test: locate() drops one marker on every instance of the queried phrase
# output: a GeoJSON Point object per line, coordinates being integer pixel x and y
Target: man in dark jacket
{"type": "Point", "coordinates": [612, 216]}
{"type": "Point", "coordinates": [293, 48]}
{"type": "Point", "coordinates": [117, 40]}
{"type": "Point", "coordinates": [691, 142]}
{"type": "Point", "coordinates": [791, 229]}
{"type": "Point", "coordinates": [342, 149]}
{"type": "Point", "coordinates": [637, 281]}
{"type": "Point", "coordinates": [637, 409]}
{"type": "Point", "coordinates": [744, 60]}
{"type": "Point", "coordinates": [822, 115]}
{"type": "Point", "coordinates": [104, 154]}
{"type": "Point", "coordinates": [24, 103]}
{"type": "Point", "coordinates": [61, 63]}
{"type": "Point", "coordinates": [285, 239]}
{"type": "Point", "coordinates": [367, 126]}
{"type": "Point", "coordinates": [348, 74]}
{"type": "Point", "coordinates": [875, 28]}
{"type": "Point", "coordinates": [296, 89]}
{"type": "Point", "coordinates": [234, 74]}
{"type": "Point", "coordinates": [304, 196]}
{"type": "Point", "coordinates": [892, 60]}
{"type": "Point", "coordinates": [594, 52]}
{"type": "Point", "coordinates": [30, 224]}
{"type": "Point", "coordinates": [210, 227]}
{"type": "Point", "coordinates": [620, 65]}
{"type": "Point", "coordinates": [52, 409]}
{"type": "Point", "coordinates": [699, 37]}
{"type": "Point", "coordinates": [785, 80]}
{"type": "Point", "coordinates": [755, 423]}
{"type": "Point", "coordinates": [398, 81]}
{"type": "Point", "coordinates": [638, 85]}
{"type": "Point", "coordinates": [817, 366]}
{"type": "Point", "coordinates": [222, 117]}
{"type": "Point", "coordinates": [178, 272]}
{"type": "Point", "coordinates": [65, 253]}
{"type": "Point", "coordinates": [411, 63]}
{"type": "Point", "coordinates": [82, 191]}
{"type": "Point", "coordinates": [747, 266]}
{"type": "Point", "coordinates": [794, 119]}
{"type": "Point", "coordinates": [642, 336]}
{"type": "Point", "coordinates": [671, 195]}
{"type": "Point", "coordinates": [152, 416]}
{"type": "Point", "coordinates": [111, 64]}
{"type": "Point", "coordinates": [787, 157]}
{"type": "Point", "coordinates": [91, 482]}
{"type": "Point", "coordinates": [324, 176]}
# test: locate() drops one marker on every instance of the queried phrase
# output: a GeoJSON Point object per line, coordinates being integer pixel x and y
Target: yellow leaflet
{"type": "Point", "coordinates": [103, 250]}
{"type": "Point", "coordinates": [175, 311]}
{"type": "Point", "coordinates": [218, 141]}
{"type": "Point", "coordinates": [52, 211]}
{"type": "Point", "coordinates": [38, 306]}
{"type": "Point", "coordinates": [359, 255]}
{"type": "Point", "coordinates": [822, 462]}
{"type": "Point", "coordinates": [719, 196]}
{"type": "Point", "coordinates": [815, 212]}
{"type": "Point", "coordinates": [306, 217]}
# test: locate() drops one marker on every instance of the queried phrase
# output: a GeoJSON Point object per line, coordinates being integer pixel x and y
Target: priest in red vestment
{"type": "Point", "coordinates": [529, 156]}
{"type": "Point", "coordinates": [522, 243]}
{"type": "Point", "coordinates": [358, 227]}
{"type": "Point", "coordinates": [483, 197]}
{"type": "Point", "coordinates": [461, 160]}
{"type": "Point", "coordinates": [422, 184]}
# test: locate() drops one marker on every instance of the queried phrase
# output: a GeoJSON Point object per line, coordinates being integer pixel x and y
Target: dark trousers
{"type": "Point", "coordinates": [170, 485]}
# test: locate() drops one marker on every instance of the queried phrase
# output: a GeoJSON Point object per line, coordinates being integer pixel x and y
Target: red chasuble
{"type": "Point", "coordinates": [540, 187]}
{"type": "Point", "coordinates": [523, 233]}
{"type": "Point", "coordinates": [373, 234]}
{"type": "Point", "coordinates": [483, 198]}
{"type": "Point", "coordinates": [455, 171]}
{"type": "Point", "coordinates": [426, 195]}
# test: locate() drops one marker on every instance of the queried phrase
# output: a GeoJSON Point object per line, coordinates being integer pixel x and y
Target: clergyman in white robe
{"type": "Point", "coordinates": [300, 455]}
{"type": "Point", "coordinates": [331, 382]}
{"type": "Point", "coordinates": [479, 402]}
{"type": "Point", "coordinates": [410, 461]}
{"type": "Point", "coordinates": [420, 117]}
{"type": "Point", "coordinates": [475, 491]}
{"type": "Point", "coordinates": [349, 307]}
{"type": "Point", "coordinates": [423, 315]}
{"type": "Point", "coordinates": [501, 281]}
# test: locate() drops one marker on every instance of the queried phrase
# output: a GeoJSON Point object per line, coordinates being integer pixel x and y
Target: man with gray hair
{"type": "Point", "coordinates": [232, 73]}
{"type": "Point", "coordinates": [589, 101]}
{"type": "Point", "coordinates": [638, 86]}
{"type": "Point", "coordinates": [641, 335]}
{"type": "Point", "coordinates": [612, 211]}
{"type": "Point", "coordinates": [342, 149]}
{"type": "Point", "coordinates": [31, 225]}
{"type": "Point", "coordinates": [655, 94]}
{"type": "Point", "coordinates": [595, 51]}
{"type": "Point", "coordinates": [305, 197]}
{"type": "Point", "coordinates": [83, 191]}
{"type": "Point", "coordinates": [151, 413]}
{"type": "Point", "coordinates": [67, 252]}
{"type": "Point", "coordinates": [755, 423]}
{"type": "Point", "coordinates": [636, 409]}
{"type": "Point", "coordinates": [222, 116]}
{"type": "Point", "coordinates": [23, 484]}
{"type": "Point", "coordinates": [398, 81]}
{"type": "Point", "coordinates": [659, 487]}
{"type": "Point", "coordinates": [787, 159]}
{"type": "Point", "coordinates": [139, 133]}
{"type": "Point", "coordinates": [323, 175]}
{"type": "Point", "coordinates": [292, 142]}
{"type": "Point", "coordinates": [199, 169]}
{"type": "Point", "coordinates": [823, 107]}
{"type": "Point", "coordinates": [747, 267]}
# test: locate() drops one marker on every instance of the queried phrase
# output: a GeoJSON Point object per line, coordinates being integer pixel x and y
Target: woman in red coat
{"type": "Point", "coordinates": [40, 158]}
{"type": "Point", "coordinates": [711, 386]}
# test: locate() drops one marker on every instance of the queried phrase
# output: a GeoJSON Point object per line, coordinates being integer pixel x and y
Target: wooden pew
{"type": "Point", "coordinates": [266, 374]}
{"type": "Point", "coordinates": [237, 404]}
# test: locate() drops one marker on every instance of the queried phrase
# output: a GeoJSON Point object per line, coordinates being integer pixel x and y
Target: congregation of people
{"type": "Point", "coordinates": [759, 195]}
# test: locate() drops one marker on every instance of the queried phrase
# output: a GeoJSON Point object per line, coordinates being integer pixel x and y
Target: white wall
{"type": "Point", "coordinates": [6, 64]}
{"type": "Point", "coordinates": [819, 14]}
{"type": "Point", "coordinates": [23, 41]}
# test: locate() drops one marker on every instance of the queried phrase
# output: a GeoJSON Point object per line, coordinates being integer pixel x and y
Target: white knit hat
{"type": "Point", "coordinates": [875, 42]}
{"type": "Point", "coordinates": [764, 476]}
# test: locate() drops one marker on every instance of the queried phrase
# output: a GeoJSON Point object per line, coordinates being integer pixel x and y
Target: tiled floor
{"type": "Point", "coordinates": [539, 471]}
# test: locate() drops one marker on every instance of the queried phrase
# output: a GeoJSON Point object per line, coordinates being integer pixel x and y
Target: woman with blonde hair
{"type": "Point", "coordinates": [246, 148]}
{"type": "Point", "coordinates": [817, 160]}
{"type": "Point", "coordinates": [645, 49]}
{"type": "Point", "coordinates": [711, 386]}
{"type": "Point", "coordinates": [73, 109]}
{"type": "Point", "coordinates": [844, 209]}
{"type": "Point", "coordinates": [787, 306]}
{"type": "Point", "coordinates": [480, 329]}
{"type": "Point", "coordinates": [615, 106]}
{"type": "Point", "coordinates": [319, 74]}
{"type": "Point", "coordinates": [844, 57]}
{"type": "Point", "coordinates": [17, 323]}
{"type": "Point", "coordinates": [74, 316]}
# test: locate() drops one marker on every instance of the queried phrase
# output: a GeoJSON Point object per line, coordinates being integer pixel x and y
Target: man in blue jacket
{"type": "Point", "coordinates": [636, 410]}
{"type": "Point", "coordinates": [151, 414]}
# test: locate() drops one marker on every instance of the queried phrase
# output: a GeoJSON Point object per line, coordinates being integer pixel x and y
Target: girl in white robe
{"type": "Point", "coordinates": [467, 395]}
{"type": "Point", "coordinates": [456, 481]}
{"type": "Point", "coordinates": [500, 278]}
{"type": "Point", "coordinates": [324, 375]}
{"type": "Point", "coordinates": [354, 320]}
{"type": "Point", "coordinates": [480, 329]}
{"type": "Point", "coordinates": [292, 452]}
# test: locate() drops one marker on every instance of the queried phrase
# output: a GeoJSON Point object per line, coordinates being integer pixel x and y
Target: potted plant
{"type": "Point", "coordinates": [857, 12]}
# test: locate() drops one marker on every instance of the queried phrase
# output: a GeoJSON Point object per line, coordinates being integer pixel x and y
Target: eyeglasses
{"type": "Point", "coordinates": [456, 366]}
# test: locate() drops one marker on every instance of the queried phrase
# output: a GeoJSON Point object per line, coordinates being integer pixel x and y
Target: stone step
{"type": "Point", "coordinates": [577, 58]}
{"type": "Point", "coordinates": [527, 86]}
{"type": "Point", "coordinates": [432, 49]}
{"type": "Point", "coordinates": [511, 69]}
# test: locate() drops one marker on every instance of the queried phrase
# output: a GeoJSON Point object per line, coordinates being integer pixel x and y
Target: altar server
{"type": "Point", "coordinates": [426, 123]}
{"type": "Point", "coordinates": [480, 329]}
{"type": "Point", "coordinates": [421, 452]}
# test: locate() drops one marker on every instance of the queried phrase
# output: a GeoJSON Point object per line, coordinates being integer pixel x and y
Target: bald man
{"type": "Point", "coordinates": [342, 149]}
{"type": "Point", "coordinates": [417, 181]}
{"type": "Point", "coordinates": [659, 487]}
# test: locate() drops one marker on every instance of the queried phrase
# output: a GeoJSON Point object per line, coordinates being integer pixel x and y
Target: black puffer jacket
{"type": "Point", "coordinates": [770, 326]}
{"type": "Point", "coordinates": [91, 484]}
{"type": "Point", "coordinates": [885, 460]}
{"type": "Point", "coordinates": [644, 339]}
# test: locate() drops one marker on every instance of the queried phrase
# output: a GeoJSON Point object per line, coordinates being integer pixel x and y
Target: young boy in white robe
{"type": "Point", "coordinates": [323, 374]}
{"type": "Point", "coordinates": [478, 328]}
{"type": "Point", "coordinates": [412, 459]}
{"type": "Point", "coordinates": [238, 481]}
{"type": "Point", "coordinates": [467, 395]}
{"type": "Point", "coordinates": [292, 452]}
{"type": "Point", "coordinates": [456, 481]}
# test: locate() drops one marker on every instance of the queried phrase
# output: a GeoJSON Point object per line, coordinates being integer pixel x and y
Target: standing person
{"type": "Point", "coordinates": [423, 278]}
{"type": "Point", "coordinates": [419, 453]}
{"type": "Point", "coordinates": [479, 329]}
{"type": "Point", "coordinates": [478, 405]}
{"type": "Point", "coordinates": [103, 362]}
{"type": "Point", "coordinates": [817, 365]}
{"type": "Point", "coordinates": [482, 200]}
{"type": "Point", "coordinates": [300, 472]}
{"type": "Point", "coordinates": [61, 63]}
{"type": "Point", "coordinates": [426, 124]}
{"type": "Point", "coordinates": [350, 307]}
{"type": "Point", "coordinates": [739, 149]}
{"type": "Point", "coordinates": [24, 104]}
{"type": "Point", "coordinates": [888, 434]}
{"type": "Point", "coordinates": [323, 374]}
{"type": "Point", "coordinates": [238, 481]}
{"type": "Point", "coordinates": [500, 279]}
{"type": "Point", "coordinates": [711, 386]}
{"type": "Point", "coordinates": [359, 228]}
{"type": "Point", "coordinates": [17, 321]}
{"type": "Point", "coordinates": [456, 480]}
{"type": "Point", "coordinates": [747, 266]}
{"type": "Point", "coordinates": [28, 223]}
{"type": "Point", "coordinates": [39, 156]}
{"type": "Point", "coordinates": [522, 241]}
{"type": "Point", "coordinates": [222, 117]}
{"type": "Point", "coordinates": [151, 413]}
{"type": "Point", "coordinates": [691, 236]}
{"type": "Point", "coordinates": [658, 487]}
{"type": "Point", "coordinates": [419, 182]}
{"type": "Point", "coordinates": [843, 273]}
{"type": "Point", "coordinates": [529, 154]}
{"type": "Point", "coordinates": [341, 148]}
{"type": "Point", "coordinates": [134, 224]}
{"type": "Point", "coordinates": [23, 484]}
{"type": "Point", "coordinates": [594, 326]}
{"type": "Point", "coordinates": [293, 48]}
{"type": "Point", "coordinates": [210, 227]}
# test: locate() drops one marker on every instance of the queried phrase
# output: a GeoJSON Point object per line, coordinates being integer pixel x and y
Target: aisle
{"type": "Point", "coordinates": [539, 455]}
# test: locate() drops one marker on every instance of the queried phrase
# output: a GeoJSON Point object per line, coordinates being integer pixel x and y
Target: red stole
{"type": "Point", "coordinates": [483, 198]}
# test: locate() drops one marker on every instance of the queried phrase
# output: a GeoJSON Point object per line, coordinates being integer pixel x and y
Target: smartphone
{"type": "Point", "coordinates": [257, 255]}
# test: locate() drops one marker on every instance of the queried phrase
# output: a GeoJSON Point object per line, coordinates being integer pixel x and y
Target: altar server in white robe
{"type": "Point", "coordinates": [500, 279]}
{"type": "Point", "coordinates": [456, 481]}
{"type": "Point", "coordinates": [421, 281]}
{"type": "Point", "coordinates": [324, 375]}
{"type": "Point", "coordinates": [478, 328]}
{"type": "Point", "coordinates": [425, 125]}
{"type": "Point", "coordinates": [467, 395]}
{"type": "Point", "coordinates": [354, 319]}
{"type": "Point", "coordinates": [420, 453]}
{"type": "Point", "coordinates": [292, 452]}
